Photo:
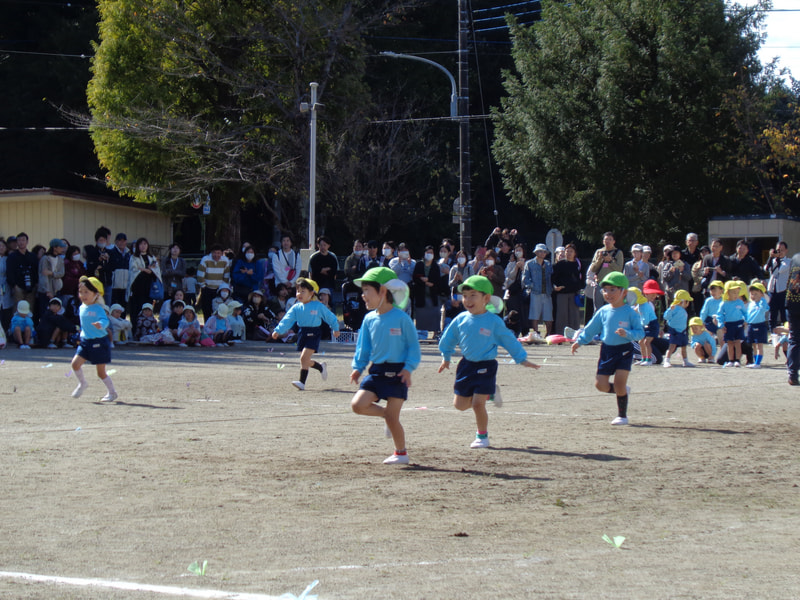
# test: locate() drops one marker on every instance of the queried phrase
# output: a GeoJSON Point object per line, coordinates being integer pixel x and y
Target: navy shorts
{"type": "Point", "coordinates": [384, 381]}
{"type": "Point", "coordinates": [678, 338]}
{"type": "Point", "coordinates": [710, 325]}
{"type": "Point", "coordinates": [615, 358]}
{"type": "Point", "coordinates": [475, 377]}
{"type": "Point", "coordinates": [651, 329]}
{"type": "Point", "coordinates": [758, 333]}
{"type": "Point", "coordinates": [309, 337]}
{"type": "Point", "coordinates": [734, 332]}
{"type": "Point", "coordinates": [96, 351]}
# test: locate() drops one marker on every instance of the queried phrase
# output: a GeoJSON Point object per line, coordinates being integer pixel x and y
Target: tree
{"type": "Point", "coordinates": [613, 119]}
{"type": "Point", "coordinates": [189, 97]}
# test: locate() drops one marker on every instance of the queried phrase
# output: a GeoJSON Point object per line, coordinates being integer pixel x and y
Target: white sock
{"type": "Point", "coordinates": [80, 377]}
{"type": "Point", "coordinates": [109, 385]}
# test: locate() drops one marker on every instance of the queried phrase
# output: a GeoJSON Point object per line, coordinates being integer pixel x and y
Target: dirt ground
{"type": "Point", "coordinates": [212, 455]}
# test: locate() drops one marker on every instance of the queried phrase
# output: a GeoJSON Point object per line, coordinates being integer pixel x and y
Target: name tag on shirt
{"type": "Point", "coordinates": [484, 331]}
{"type": "Point", "coordinates": [623, 324]}
{"type": "Point", "coordinates": [313, 312]}
{"type": "Point", "coordinates": [395, 331]}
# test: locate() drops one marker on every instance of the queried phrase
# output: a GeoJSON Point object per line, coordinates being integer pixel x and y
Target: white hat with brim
{"type": "Point", "coordinates": [147, 305]}
{"type": "Point", "coordinates": [399, 291]}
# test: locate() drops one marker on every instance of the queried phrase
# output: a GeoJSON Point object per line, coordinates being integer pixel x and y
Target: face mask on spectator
{"type": "Point", "coordinates": [387, 252]}
{"type": "Point", "coordinates": [489, 262]}
{"type": "Point", "coordinates": [428, 256]}
{"type": "Point", "coordinates": [461, 260]}
{"type": "Point", "coordinates": [249, 256]}
{"type": "Point", "coordinates": [404, 254]}
{"type": "Point", "coordinates": [358, 252]}
{"type": "Point", "coordinates": [76, 257]}
{"type": "Point", "coordinates": [519, 253]}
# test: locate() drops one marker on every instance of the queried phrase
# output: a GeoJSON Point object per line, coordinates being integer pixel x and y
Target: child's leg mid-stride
{"type": "Point", "coordinates": [77, 364]}
{"type": "Point", "coordinates": [478, 404]}
{"type": "Point", "coordinates": [618, 387]}
{"type": "Point", "coordinates": [307, 362]}
{"type": "Point", "coordinates": [366, 403]}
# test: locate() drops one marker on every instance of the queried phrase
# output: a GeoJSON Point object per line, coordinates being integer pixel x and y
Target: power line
{"type": "Point", "coordinates": [45, 53]}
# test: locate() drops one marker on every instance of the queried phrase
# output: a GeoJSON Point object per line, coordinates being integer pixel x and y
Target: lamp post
{"type": "Point", "coordinates": [453, 93]}
{"type": "Point", "coordinates": [312, 185]}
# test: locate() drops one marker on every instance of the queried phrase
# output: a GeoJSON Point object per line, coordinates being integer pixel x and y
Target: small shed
{"type": "Point", "coordinates": [762, 231]}
{"type": "Point", "coordinates": [46, 213]}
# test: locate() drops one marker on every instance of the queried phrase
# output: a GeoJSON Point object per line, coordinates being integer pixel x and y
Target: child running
{"type": "Point", "coordinates": [478, 332]}
{"type": "Point", "coordinates": [703, 343]}
{"type": "Point", "coordinates": [757, 317]}
{"type": "Point", "coordinates": [677, 320]}
{"type": "Point", "coordinates": [95, 345]}
{"type": "Point", "coordinates": [308, 313]}
{"type": "Point", "coordinates": [619, 325]}
{"type": "Point", "coordinates": [387, 339]}
{"type": "Point", "coordinates": [730, 316]}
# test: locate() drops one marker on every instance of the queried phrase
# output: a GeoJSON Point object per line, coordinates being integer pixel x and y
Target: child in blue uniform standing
{"type": "Point", "coordinates": [478, 332]}
{"type": "Point", "coordinates": [730, 316]}
{"type": "Point", "coordinates": [308, 313]}
{"type": "Point", "coordinates": [387, 339]}
{"type": "Point", "coordinates": [95, 345]}
{"type": "Point", "coordinates": [757, 317]}
{"type": "Point", "coordinates": [677, 320]}
{"type": "Point", "coordinates": [711, 307]}
{"type": "Point", "coordinates": [619, 325]}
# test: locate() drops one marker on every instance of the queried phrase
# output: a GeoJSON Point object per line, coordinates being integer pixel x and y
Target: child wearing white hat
{"type": "Point", "coordinates": [22, 325]}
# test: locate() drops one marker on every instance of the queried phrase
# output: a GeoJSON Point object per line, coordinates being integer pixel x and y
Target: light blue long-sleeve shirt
{"type": "Point", "coordinates": [309, 314]}
{"type": "Point", "coordinates": [710, 308]}
{"type": "Point", "coordinates": [676, 317]}
{"type": "Point", "coordinates": [390, 337]}
{"type": "Point", "coordinates": [757, 311]}
{"type": "Point", "coordinates": [89, 314]}
{"type": "Point", "coordinates": [730, 311]}
{"type": "Point", "coordinates": [607, 320]}
{"type": "Point", "coordinates": [705, 338]}
{"type": "Point", "coordinates": [478, 336]}
{"type": "Point", "coordinates": [647, 312]}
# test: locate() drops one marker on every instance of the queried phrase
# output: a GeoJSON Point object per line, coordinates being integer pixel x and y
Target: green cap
{"type": "Point", "coordinates": [478, 283]}
{"type": "Point", "coordinates": [616, 279]}
{"type": "Point", "coordinates": [379, 275]}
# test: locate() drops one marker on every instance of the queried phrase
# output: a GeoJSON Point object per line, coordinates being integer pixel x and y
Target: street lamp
{"type": "Point", "coordinates": [453, 92]}
{"type": "Point", "coordinates": [312, 186]}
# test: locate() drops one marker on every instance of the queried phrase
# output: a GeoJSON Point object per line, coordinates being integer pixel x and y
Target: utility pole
{"type": "Point", "coordinates": [465, 201]}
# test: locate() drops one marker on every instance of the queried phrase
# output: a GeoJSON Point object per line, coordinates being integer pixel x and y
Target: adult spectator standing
{"type": "Point", "coordinates": [403, 265]}
{"type": "Point", "coordinates": [493, 241]}
{"type": "Point", "coordinates": [144, 271]}
{"type": "Point", "coordinates": [323, 264]}
{"type": "Point", "coordinates": [119, 262]}
{"type": "Point", "coordinates": [373, 258]}
{"type": "Point", "coordinates": [173, 270]}
{"type": "Point", "coordinates": [6, 300]}
{"type": "Point", "coordinates": [716, 266]}
{"type": "Point", "coordinates": [675, 274]}
{"type": "Point", "coordinates": [505, 255]}
{"type": "Point", "coordinates": [793, 314]}
{"type": "Point", "coordinates": [51, 275]}
{"type": "Point", "coordinates": [493, 272]}
{"type": "Point", "coordinates": [743, 266]}
{"type": "Point", "coordinates": [607, 259]}
{"type": "Point", "coordinates": [214, 270]}
{"type": "Point", "coordinates": [537, 278]}
{"type": "Point", "coordinates": [478, 259]}
{"type": "Point", "coordinates": [73, 271]}
{"type": "Point", "coordinates": [245, 274]}
{"type": "Point", "coordinates": [567, 282]}
{"type": "Point", "coordinates": [427, 288]}
{"type": "Point", "coordinates": [514, 296]}
{"type": "Point", "coordinates": [353, 266]}
{"type": "Point", "coordinates": [636, 270]}
{"type": "Point", "coordinates": [97, 260]}
{"type": "Point", "coordinates": [353, 308]}
{"type": "Point", "coordinates": [691, 254]}
{"type": "Point", "coordinates": [22, 272]}
{"type": "Point", "coordinates": [778, 267]}
{"type": "Point", "coordinates": [286, 264]}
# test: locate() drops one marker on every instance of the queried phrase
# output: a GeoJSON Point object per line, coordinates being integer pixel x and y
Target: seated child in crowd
{"type": "Point", "coordinates": [189, 328]}
{"type": "Point", "coordinates": [223, 296]}
{"type": "Point", "coordinates": [121, 328]}
{"type": "Point", "coordinates": [174, 319]}
{"type": "Point", "coordinates": [22, 325]}
{"type": "Point", "coordinates": [236, 322]}
{"type": "Point", "coordinates": [147, 331]}
{"type": "Point", "coordinates": [259, 320]}
{"type": "Point", "coordinates": [54, 327]}
{"type": "Point", "coordinates": [216, 326]}
{"type": "Point", "coordinates": [166, 308]}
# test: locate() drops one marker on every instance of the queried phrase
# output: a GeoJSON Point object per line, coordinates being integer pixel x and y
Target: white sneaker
{"type": "Point", "coordinates": [736, 363]}
{"type": "Point", "coordinates": [754, 366]}
{"type": "Point", "coordinates": [620, 421]}
{"type": "Point", "coordinates": [666, 364]}
{"type": "Point", "coordinates": [497, 397]}
{"type": "Point", "coordinates": [480, 442]}
{"type": "Point", "coordinates": [397, 459]}
{"type": "Point", "coordinates": [299, 385]}
{"type": "Point", "coordinates": [324, 372]}
{"type": "Point", "coordinates": [51, 346]}
{"type": "Point", "coordinates": [79, 390]}
{"type": "Point", "coordinates": [686, 363]}
{"type": "Point", "coordinates": [182, 345]}
{"type": "Point", "coordinates": [24, 347]}
{"type": "Point", "coordinates": [109, 397]}
{"type": "Point", "coordinates": [727, 364]}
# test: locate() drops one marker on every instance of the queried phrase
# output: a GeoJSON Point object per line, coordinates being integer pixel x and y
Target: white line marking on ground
{"type": "Point", "coordinates": [136, 587]}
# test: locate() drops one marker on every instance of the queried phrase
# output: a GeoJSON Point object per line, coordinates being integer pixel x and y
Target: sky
{"type": "Point", "coordinates": [783, 34]}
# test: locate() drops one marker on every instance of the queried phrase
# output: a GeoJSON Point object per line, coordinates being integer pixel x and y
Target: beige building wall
{"type": "Point", "coordinates": [45, 214]}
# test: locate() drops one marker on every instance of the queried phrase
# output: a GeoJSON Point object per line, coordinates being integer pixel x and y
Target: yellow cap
{"type": "Point", "coordinates": [682, 295]}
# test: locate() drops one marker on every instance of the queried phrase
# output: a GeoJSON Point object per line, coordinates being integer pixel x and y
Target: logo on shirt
{"type": "Point", "coordinates": [484, 331]}
{"type": "Point", "coordinates": [395, 331]}
{"type": "Point", "coordinates": [313, 312]}
{"type": "Point", "coordinates": [623, 324]}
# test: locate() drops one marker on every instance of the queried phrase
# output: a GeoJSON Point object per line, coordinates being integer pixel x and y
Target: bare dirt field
{"type": "Point", "coordinates": [212, 455]}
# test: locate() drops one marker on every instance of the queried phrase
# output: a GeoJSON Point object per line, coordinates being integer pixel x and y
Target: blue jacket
{"type": "Point", "coordinates": [532, 277]}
